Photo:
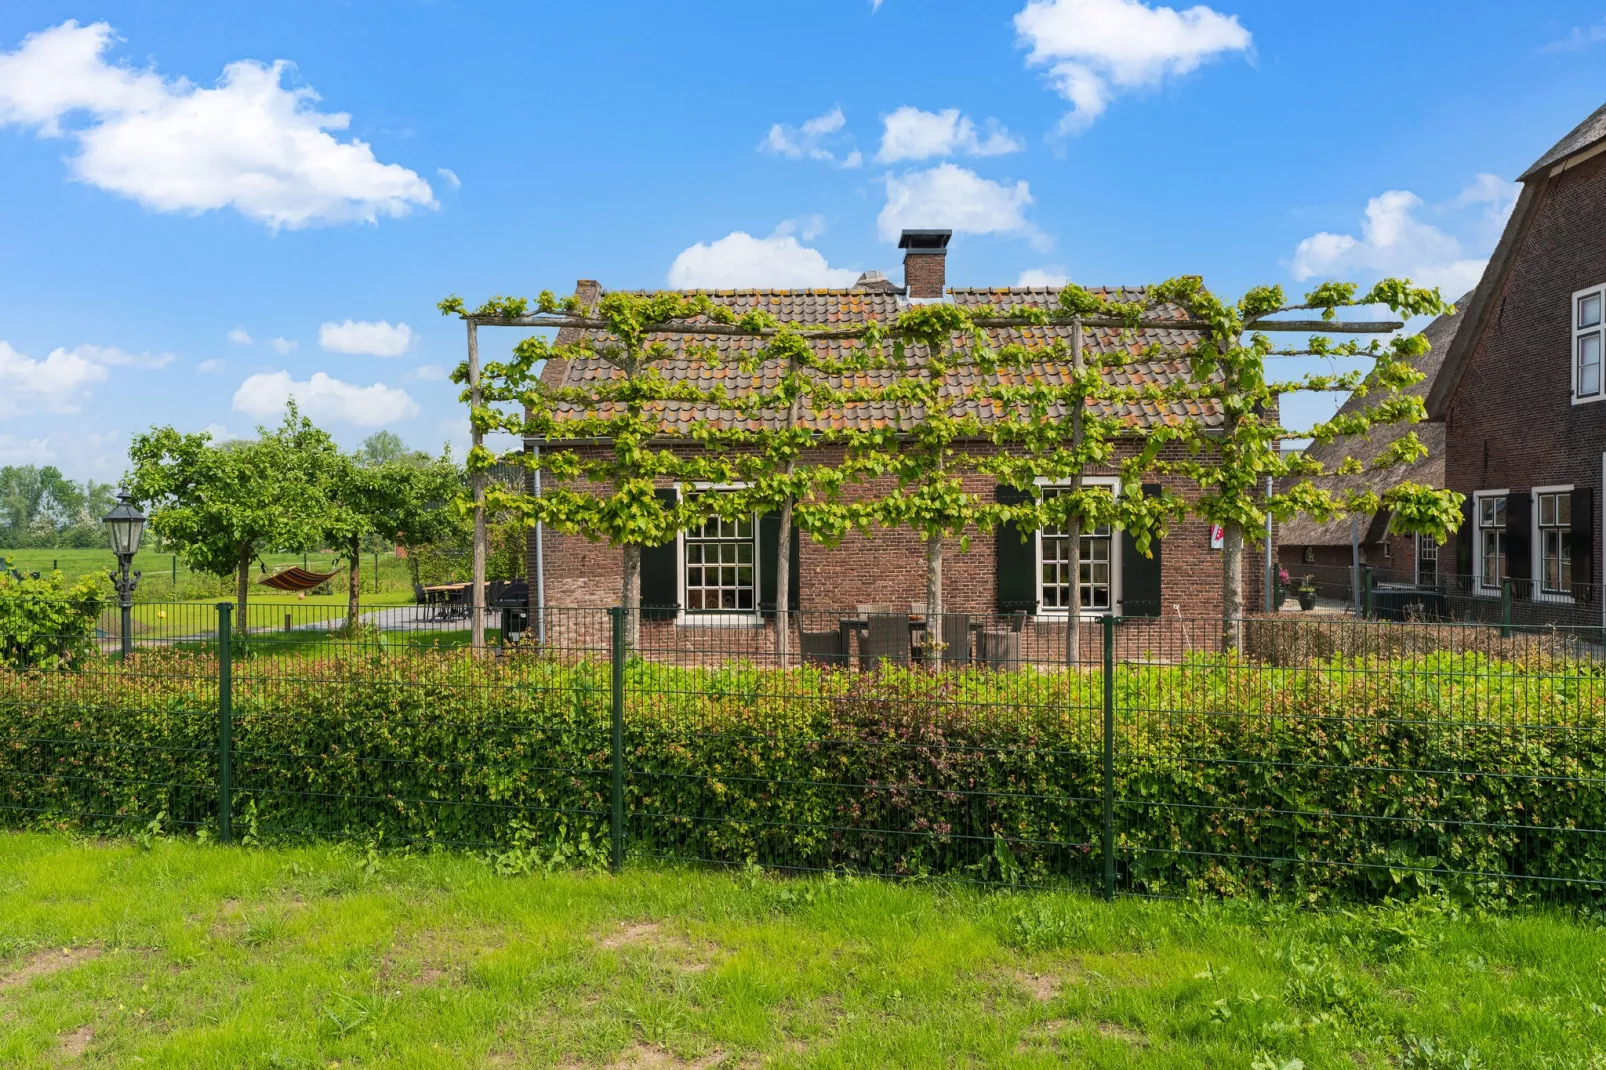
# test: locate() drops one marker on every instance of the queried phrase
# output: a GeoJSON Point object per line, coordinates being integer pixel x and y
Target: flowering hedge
{"type": "Point", "coordinates": [1345, 778]}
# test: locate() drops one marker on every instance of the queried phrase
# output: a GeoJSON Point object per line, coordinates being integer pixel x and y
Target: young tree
{"type": "Point", "coordinates": [1229, 369]}
{"type": "Point", "coordinates": [221, 505]}
{"type": "Point", "coordinates": [388, 498]}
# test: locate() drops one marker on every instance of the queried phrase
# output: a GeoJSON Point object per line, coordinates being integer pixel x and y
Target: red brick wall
{"type": "Point", "coordinates": [888, 566]}
{"type": "Point", "coordinates": [924, 274]}
{"type": "Point", "coordinates": [1511, 422]}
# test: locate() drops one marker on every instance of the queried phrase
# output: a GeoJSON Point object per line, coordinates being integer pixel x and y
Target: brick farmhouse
{"type": "Point", "coordinates": [726, 573]}
{"type": "Point", "coordinates": [1522, 397]}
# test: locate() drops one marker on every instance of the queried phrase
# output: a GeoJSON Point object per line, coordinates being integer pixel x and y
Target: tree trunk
{"type": "Point", "coordinates": [933, 587]}
{"type": "Point", "coordinates": [242, 587]}
{"type": "Point", "coordinates": [630, 597]}
{"type": "Point", "coordinates": [783, 586]}
{"type": "Point", "coordinates": [1073, 525]}
{"type": "Point", "coordinates": [1073, 615]}
{"type": "Point", "coordinates": [353, 609]}
{"type": "Point", "coordinates": [1232, 587]}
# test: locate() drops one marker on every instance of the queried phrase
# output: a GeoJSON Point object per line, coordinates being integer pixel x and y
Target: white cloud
{"type": "Point", "coordinates": [951, 197]}
{"type": "Point", "coordinates": [740, 260]}
{"type": "Point", "coordinates": [1394, 242]}
{"type": "Point", "coordinates": [1579, 39]}
{"type": "Point", "coordinates": [283, 346]}
{"type": "Point", "coordinates": [248, 142]}
{"type": "Point", "coordinates": [219, 433]}
{"type": "Point", "coordinates": [323, 398]}
{"type": "Point", "coordinates": [14, 450]}
{"type": "Point", "coordinates": [360, 336]}
{"type": "Point", "coordinates": [912, 134]}
{"type": "Point", "coordinates": [1051, 277]}
{"type": "Point", "coordinates": [240, 337]}
{"type": "Point", "coordinates": [112, 357]}
{"type": "Point", "coordinates": [810, 140]}
{"type": "Point", "coordinates": [61, 382]}
{"type": "Point", "coordinates": [1497, 195]}
{"type": "Point", "coordinates": [429, 373]}
{"type": "Point", "coordinates": [450, 177]}
{"type": "Point", "coordinates": [1094, 47]}
{"type": "Point", "coordinates": [207, 367]}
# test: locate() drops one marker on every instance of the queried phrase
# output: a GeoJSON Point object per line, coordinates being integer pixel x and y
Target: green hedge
{"type": "Point", "coordinates": [1346, 778]}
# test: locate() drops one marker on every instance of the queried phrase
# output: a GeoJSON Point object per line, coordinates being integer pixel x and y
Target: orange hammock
{"type": "Point", "coordinates": [296, 578]}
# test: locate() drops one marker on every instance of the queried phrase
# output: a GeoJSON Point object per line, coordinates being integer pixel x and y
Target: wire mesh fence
{"type": "Point", "coordinates": [1327, 758]}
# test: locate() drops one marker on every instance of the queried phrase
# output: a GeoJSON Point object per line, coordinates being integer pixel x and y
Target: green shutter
{"type": "Point", "coordinates": [1463, 546]}
{"type": "Point", "coordinates": [769, 548]}
{"type": "Point", "coordinates": [1016, 561]}
{"type": "Point", "coordinates": [1520, 542]}
{"type": "Point", "coordinates": [1583, 544]}
{"type": "Point", "coordinates": [660, 570]}
{"type": "Point", "coordinates": [1141, 589]}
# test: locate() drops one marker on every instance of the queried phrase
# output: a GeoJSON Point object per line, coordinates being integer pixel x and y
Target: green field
{"type": "Point", "coordinates": [394, 574]}
{"type": "Point", "coordinates": [179, 955]}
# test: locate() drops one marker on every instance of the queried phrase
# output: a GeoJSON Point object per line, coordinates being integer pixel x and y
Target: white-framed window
{"type": "Point", "coordinates": [1553, 540]}
{"type": "Point", "coordinates": [1427, 560]}
{"type": "Point", "coordinates": [718, 569]}
{"type": "Point", "coordinates": [1489, 515]}
{"type": "Point", "coordinates": [1086, 576]}
{"type": "Point", "coordinates": [1589, 308]}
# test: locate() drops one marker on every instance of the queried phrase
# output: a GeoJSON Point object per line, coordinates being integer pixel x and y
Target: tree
{"type": "Point", "coordinates": [393, 498]}
{"type": "Point", "coordinates": [1229, 368]}
{"type": "Point", "coordinates": [385, 447]}
{"type": "Point", "coordinates": [221, 505]}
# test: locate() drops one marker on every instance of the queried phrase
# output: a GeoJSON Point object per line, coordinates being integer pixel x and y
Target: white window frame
{"type": "Point", "coordinates": [1538, 554]}
{"type": "Point", "coordinates": [1421, 542]}
{"type": "Point", "coordinates": [1477, 539]}
{"type": "Point", "coordinates": [1113, 484]}
{"type": "Point", "coordinates": [720, 618]}
{"type": "Point", "coordinates": [1578, 332]}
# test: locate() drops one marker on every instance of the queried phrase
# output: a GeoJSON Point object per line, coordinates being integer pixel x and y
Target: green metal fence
{"type": "Point", "coordinates": [1327, 759]}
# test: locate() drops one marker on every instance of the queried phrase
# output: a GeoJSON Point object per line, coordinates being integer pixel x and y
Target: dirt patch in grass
{"type": "Point", "coordinates": [685, 955]}
{"type": "Point", "coordinates": [653, 1057]}
{"type": "Point", "coordinates": [74, 1044]}
{"type": "Point", "coordinates": [1112, 1031]}
{"type": "Point", "coordinates": [1040, 986]}
{"type": "Point", "coordinates": [45, 963]}
{"type": "Point", "coordinates": [436, 956]}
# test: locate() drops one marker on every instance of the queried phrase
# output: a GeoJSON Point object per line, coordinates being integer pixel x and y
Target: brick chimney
{"type": "Point", "coordinates": [925, 263]}
{"type": "Point", "coordinates": [589, 291]}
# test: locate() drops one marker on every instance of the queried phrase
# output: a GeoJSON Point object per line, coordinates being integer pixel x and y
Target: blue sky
{"type": "Point", "coordinates": [190, 232]}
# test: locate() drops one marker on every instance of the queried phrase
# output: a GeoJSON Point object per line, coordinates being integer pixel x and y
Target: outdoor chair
{"type": "Point", "coordinates": [887, 639]}
{"type": "Point", "coordinates": [823, 649]}
{"type": "Point", "coordinates": [955, 639]}
{"type": "Point", "coordinates": [428, 600]}
{"type": "Point", "coordinates": [998, 648]}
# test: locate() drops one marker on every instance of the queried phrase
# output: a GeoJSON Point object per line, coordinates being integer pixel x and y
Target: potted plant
{"type": "Point", "coordinates": [1280, 593]}
{"type": "Point", "coordinates": [1307, 593]}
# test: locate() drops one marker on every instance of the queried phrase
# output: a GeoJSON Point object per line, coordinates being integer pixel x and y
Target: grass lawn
{"type": "Point", "coordinates": [194, 956]}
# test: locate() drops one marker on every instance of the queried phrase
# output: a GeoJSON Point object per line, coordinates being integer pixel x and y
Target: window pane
{"type": "Point", "coordinates": [1547, 510]}
{"type": "Point", "coordinates": [1564, 509]}
{"type": "Point", "coordinates": [1500, 511]}
{"type": "Point", "coordinates": [1588, 365]}
{"type": "Point", "coordinates": [719, 566]}
{"type": "Point", "coordinates": [1485, 512]}
{"type": "Point", "coordinates": [1589, 310]}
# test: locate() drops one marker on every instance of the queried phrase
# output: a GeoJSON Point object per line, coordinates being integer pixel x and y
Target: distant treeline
{"type": "Point", "coordinates": [41, 508]}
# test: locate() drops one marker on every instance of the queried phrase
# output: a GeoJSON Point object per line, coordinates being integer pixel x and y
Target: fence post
{"type": "Point", "coordinates": [1109, 756]}
{"type": "Point", "coordinates": [1505, 608]}
{"type": "Point", "coordinates": [616, 826]}
{"type": "Point", "coordinates": [225, 727]}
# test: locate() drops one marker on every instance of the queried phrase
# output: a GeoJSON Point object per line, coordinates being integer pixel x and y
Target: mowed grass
{"type": "Point", "coordinates": [185, 955]}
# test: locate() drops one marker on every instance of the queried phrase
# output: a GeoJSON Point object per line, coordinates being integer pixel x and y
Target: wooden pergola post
{"type": "Point", "coordinates": [477, 586]}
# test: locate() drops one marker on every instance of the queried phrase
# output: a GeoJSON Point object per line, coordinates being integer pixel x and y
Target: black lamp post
{"type": "Point", "coordinates": [124, 524]}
